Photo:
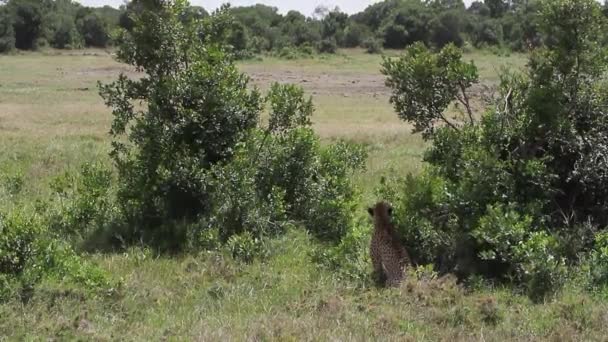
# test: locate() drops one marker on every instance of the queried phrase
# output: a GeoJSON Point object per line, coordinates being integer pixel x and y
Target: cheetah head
{"type": "Point", "coordinates": [381, 209]}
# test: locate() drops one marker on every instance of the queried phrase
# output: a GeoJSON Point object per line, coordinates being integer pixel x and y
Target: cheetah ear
{"type": "Point", "coordinates": [390, 211]}
{"type": "Point", "coordinates": [370, 211]}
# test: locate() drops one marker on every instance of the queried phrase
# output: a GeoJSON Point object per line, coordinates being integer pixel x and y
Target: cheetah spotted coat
{"type": "Point", "coordinates": [389, 257]}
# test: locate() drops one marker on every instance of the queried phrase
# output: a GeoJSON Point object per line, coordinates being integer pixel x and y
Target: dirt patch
{"type": "Point", "coordinates": [108, 71]}
{"type": "Point", "coordinates": [322, 83]}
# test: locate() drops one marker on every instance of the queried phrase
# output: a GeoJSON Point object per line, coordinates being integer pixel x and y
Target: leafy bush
{"type": "Point", "coordinates": [193, 164]}
{"type": "Point", "coordinates": [372, 45]}
{"type": "Point", "coordinates": [597, 262]}
{"type": "Point", "coordinates": [64, 34]}
{"type": "Point", "coordinates": [239, 207]}
{"type": "Point", "coordinates": [516, 195]}
{"type": "Point", "coordinates": [197, 108]}
{"type": "Point", "coordinates": [7, 34]}
{"type": "Point", "coordinates": [445, 29]}
{"type": "Point", "coordinates": [349, 259]}
{"type": "Point", "coordinates": [93, 30]}
{"type": "Point", "coordinates": [281, 175]}
{"type": "Point", "coordinates": [27, 22]}
{"type": "Point", "coordinates": [328, 46]}
{"type": "Point", "coordinates": [84, 202]}
{"type": "Point", "coordinates": [356, 34]}
{"type": "Point", "coordinates": [30, 253]}
{"type": "Point", "coordinates": [424, 84]}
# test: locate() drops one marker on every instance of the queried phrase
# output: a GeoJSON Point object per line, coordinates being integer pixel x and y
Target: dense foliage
{"type": "Point", "coordinates": [193, 160]}
{"type": "Point", "coordinates": [260, 28]}
{"type": "Point", "coordinates": [63, 24]}
{"type": "Point", "coordinates": [521, 193]}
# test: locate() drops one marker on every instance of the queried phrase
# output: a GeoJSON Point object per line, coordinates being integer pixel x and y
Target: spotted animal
{"type": "Point", "coordinates": [389, 257]}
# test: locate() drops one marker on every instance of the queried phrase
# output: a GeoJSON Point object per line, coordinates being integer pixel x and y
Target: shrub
{"type": "Point", "coordinates": [356, 34]}
{"type": "Point", "coordinates": [246, 248]}
{"type": "Point", "coordinates": [424, 84]}
{"type": "Point", "coordinates": [29, 253]}
{"type": "Point", "coordinates": [13, 184]}
{"type": "Point", "coordinates": [27, 23]}
{"type": "Point", "coordinates": [84, 203]}
{"type": "Point", "coordinates": [7, 34]}
{"type": "Point", "coordinates": [516, 195]}
{"type": "Point", "coordinates": [372, 45]}
{"type": "Point", "coordinates": [328, 45]}
{"type": "Point", "coordinates": [239, 207]}
{"type": "Point", "coordinates": [94, 30]}
{"type": "Point", "coordinates": [194, 164]}
{"type": "Point", "coordinates": [282, 175]}
{"type": "Point", "coordinates": [64, 34]}
{"type": "Point", "coordinates": [197, 109]}
{"type": "Point", "coordinates": [350, 258]}
{"type": "Point", "coordinates": [445, 29]}
{"type": "Point", "coordinates": [597, 262]}
{"type": "Point", "coordinates": [288, 52]}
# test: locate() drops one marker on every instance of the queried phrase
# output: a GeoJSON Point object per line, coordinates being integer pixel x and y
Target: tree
{"type": "Point", "coordinates": [334, 24]}
{"type": "Point", "coordinates": [446, 28]}
{"type": "Point", "coordinates": [320, 12]}
{"type": "Point", "coordinates": [486, 32]}
{"type": "Point", "coordinates": [93, 29]}
{"type": "Point", "coordinates": [27, 22]}
{"type": "Point", "coordinates": [409, 24]}
{"type": "Point", "coordinates": [197, 108]}
{"type": "Point", "coordinates": [479, 8]}
{"type": "Point", "coordinates": [497, 7]}
{"type": "Point", "coordinates": [424, 84]}
{"type": "Point", "coordinates": [520, 194]}
{"type": "Point", "coordinates": [7, 34]}
{"type": "Point", "coordinates": [63, 32]}
{"type": "Point", "coordinates": [446, 5]}
{"type": "Point", "coordinates": [355, 34]}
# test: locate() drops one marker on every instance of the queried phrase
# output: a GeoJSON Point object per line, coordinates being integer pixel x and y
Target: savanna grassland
{"type": "Point", "coordinates": [52, 120]}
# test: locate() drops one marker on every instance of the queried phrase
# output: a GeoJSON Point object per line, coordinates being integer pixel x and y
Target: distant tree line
{"type": "Point", "coordinates": [393, 24]}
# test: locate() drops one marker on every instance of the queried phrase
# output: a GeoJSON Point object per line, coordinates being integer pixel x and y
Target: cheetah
{"type": "Point", "coordinates": [389, 257]}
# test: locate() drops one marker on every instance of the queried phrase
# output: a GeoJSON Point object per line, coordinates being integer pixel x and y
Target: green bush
{"type": "Point", "coordinates": [93, 30]}
{"type": "Point", "coordinates": [425, 83]}
{"type": "Point", "coordinates": [356, 34]}
{"type": "Point", "coordinates": [281, 176]}
{"type": "Point", "coordinates": [350, 258]}
{"type": "Point", "coordinates": [84, 202]}
{"type": "Point", "coordinates": [597, 262]}
{"type": "Point", "coordinates": [239, 207]}
{"type": "Point", "coordinates": [30, 253]}
{"type": "Point", "coordinates": [328, 45]}
{"type": "Point", "coordinates": [516, 195]}
{"type": "Point", "coordinates": [64, 34]}
{"type": "Point", "coordinates": [372, 45]}
{"type": "Point", "coordinates": [198, 108]}
{"type": "Point", "coordinates": [7, 33]}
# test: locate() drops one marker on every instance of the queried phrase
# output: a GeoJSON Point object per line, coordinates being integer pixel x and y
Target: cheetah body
{"type": "Point", "coordinates": [389, 257]}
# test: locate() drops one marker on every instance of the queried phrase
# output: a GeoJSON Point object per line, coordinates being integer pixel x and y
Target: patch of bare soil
{"type": "Point", "coordinates": [322, 83]}
{"type": "Point", "coordinates": [345, 84]}
{"type": "Point", "coordinates": [105, 71]}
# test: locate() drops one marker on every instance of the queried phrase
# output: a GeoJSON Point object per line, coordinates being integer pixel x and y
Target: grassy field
{"type": "Point", "coordinates": [52, 120]}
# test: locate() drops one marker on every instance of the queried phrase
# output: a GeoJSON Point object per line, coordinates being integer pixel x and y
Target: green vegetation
{"type": "Point", "coordinates": [229, 205]}
{"type": "Point", "coordinates": [261, 29]}
{"type": "Point", "coordinates": [520, 196]}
